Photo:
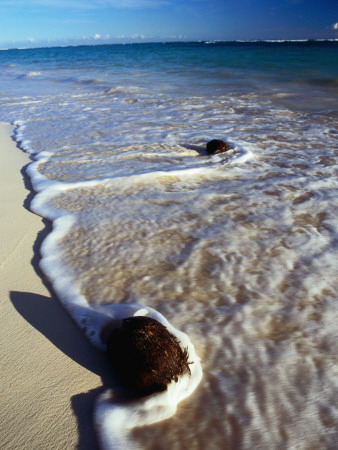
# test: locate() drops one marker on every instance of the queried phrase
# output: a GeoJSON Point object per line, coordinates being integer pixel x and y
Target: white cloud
{"type": "Point", "coordinates": [335, 26]}
{"type": "Point", "coordinates": [98, 36]}
{"type": "Point", "coordinates": [138, 36]}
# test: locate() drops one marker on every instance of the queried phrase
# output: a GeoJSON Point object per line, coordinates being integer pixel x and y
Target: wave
{"type": "Point", "coordinates": [29, 75]}
{"type": "Point", "coordinates": [124, 90]}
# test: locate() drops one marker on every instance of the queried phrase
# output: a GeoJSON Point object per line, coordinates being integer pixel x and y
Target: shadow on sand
{"type": "Point", "coordinates": [49, 318]}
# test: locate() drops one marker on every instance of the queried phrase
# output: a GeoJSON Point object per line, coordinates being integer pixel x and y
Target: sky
{"type": "Point", "coordinates": [33, 23]}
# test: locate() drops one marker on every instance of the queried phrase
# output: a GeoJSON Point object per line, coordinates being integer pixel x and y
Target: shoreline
{"type": "Point", "coordinates": [51, 374]}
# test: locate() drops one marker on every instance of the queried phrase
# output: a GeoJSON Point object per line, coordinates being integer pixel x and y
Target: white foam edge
{"type": "Point", "coordinates": [39, 181]}
{"type": "Point", "coordinates": [24, 144]}
{"type": "Point", "coordinates": [41, 184]}
{"type": "Point", "coordinates": [239, 154]}
{"type": "Point", "coordinates": [243, 154]}
{"type": "Point", "coordinates": [47, 189]}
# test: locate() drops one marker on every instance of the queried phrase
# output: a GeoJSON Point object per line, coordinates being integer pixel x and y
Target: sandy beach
{"type": "Point", "coordinates": [50, 373]}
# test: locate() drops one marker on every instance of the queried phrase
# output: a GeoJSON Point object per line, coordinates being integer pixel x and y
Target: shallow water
{"type": "Point", "coordinates": [236, 250]}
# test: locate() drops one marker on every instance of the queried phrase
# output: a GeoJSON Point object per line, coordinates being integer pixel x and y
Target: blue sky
{"type": "Point", "coordinates": [68, 22]}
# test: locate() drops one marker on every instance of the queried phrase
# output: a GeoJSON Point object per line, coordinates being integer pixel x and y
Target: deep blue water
{"type": "Point", "coordinates": [192, 68]}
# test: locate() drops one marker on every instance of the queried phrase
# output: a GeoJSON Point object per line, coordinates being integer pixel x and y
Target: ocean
{"type": "Point", "coordinates": [235, 252]}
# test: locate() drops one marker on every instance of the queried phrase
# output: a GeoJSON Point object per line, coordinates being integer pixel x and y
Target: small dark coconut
{"type": "Point", "coordinates": [217, 146]}
{"type": "Point", "coordinates": [145, 356]}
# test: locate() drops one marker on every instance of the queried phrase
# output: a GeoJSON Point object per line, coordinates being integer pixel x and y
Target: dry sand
{"type": "Point", "coordinates": [50, 374]}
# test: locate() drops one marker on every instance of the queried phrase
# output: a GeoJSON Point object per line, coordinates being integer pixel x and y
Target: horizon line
{"type": "Point", "coordinates": [199, 41]}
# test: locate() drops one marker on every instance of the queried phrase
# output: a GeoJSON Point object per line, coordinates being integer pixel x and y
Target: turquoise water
{"type": "Point", "coordinates": [236, 250]}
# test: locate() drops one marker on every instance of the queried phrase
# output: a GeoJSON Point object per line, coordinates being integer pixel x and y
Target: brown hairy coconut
{"type": "Point", "coordinates": [145, 356]}
{"type": "Point", "coordinates": [217, 146]}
